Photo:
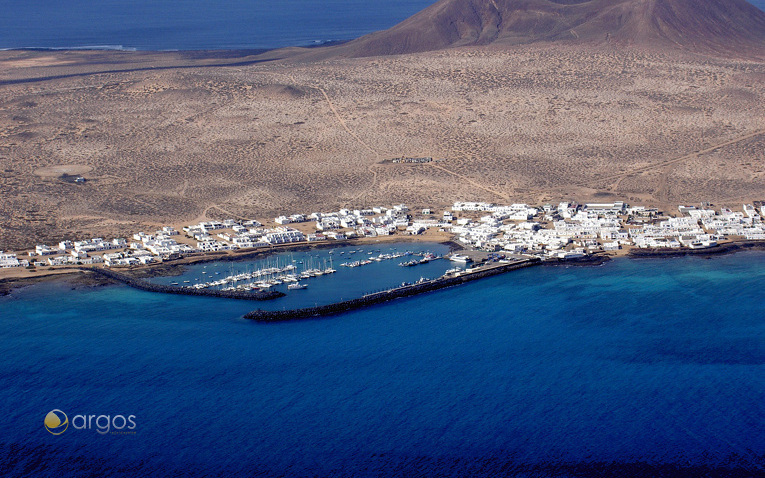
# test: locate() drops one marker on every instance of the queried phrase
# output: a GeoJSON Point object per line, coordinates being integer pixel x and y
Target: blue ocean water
{"type": "Point", "coordinates": [635, 368]}
{"type": "Point", "coordinates": [195, 24]}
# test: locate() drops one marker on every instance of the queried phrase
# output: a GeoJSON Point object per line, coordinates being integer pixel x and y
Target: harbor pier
{"type": "Point", "coordinates": [406, 290]}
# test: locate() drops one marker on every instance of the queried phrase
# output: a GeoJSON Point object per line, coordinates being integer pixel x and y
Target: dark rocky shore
{"type": "Point", "coordinates": [726, 248]}
{"type": "Point", "coordinates": [9, 284]}
{"type": "Point", "coordinates": [588, 261]}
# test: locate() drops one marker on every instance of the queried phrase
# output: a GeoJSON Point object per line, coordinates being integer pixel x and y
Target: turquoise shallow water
{"type": "Point", "coordinates": [634, 368]}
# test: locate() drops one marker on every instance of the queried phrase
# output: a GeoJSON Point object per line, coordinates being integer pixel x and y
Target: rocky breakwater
{"type": "Point", "coordinates": [168, 289]}
{"type": "Point", "coordinates": [390, 294]}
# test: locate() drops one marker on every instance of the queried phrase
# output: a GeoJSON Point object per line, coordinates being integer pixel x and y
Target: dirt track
{"type": "Point", "coordinates": [168, 146]}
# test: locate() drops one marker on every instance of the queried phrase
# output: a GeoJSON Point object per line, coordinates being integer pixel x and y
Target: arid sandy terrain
{"type": "Point", "coordinates": [164, 145]}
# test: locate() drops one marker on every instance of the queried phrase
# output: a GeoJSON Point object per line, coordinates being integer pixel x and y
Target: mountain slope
{"type": "Point", "coordinates": [705, 26]}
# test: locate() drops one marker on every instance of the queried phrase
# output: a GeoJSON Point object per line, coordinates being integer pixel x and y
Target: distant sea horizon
{"type": "Point", "coordinates": [193, 25]}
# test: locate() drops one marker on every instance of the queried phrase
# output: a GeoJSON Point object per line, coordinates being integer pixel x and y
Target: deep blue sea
{"type": "Point", "coordinates": [197, 24]}
{"type": "Point", "coordinates": [652, 367]}
{"type": "Point", "coordinates": [194, 24]}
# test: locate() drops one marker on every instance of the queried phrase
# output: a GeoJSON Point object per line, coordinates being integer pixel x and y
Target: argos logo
{"type": "Point", "coordinates": [57, 422]}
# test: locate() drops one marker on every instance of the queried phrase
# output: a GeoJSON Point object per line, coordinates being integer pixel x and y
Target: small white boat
{"type": "Point", "coordinates": [460, 258]}
{"type": "Point", "coordinates": [297, 286]}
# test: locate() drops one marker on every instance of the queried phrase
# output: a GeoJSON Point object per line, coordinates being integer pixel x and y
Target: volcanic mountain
{"type": "Point", "coordinates": [729, 27]}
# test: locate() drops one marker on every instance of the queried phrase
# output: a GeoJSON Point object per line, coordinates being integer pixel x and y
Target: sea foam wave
{"type": "Point", "coordinates": [66, 48]}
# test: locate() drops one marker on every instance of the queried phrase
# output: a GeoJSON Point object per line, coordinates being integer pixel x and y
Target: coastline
{"type": "Point", "coordinates": [172, 268]}
{"type": "Point", "coordinates": [411, 290]}
{"type": "Point", "coordinates": [176, 267]}
{"type": "Point", "coordinates": [75, 277]}
{"type": "Point", "coordinates": [143, 285]}
{"type": "Point", "coordinates": [83, 277]}
{"type": "Point", "coordinates": [593, 260]}
{"type": "Point", "coordinates": [725, 248]}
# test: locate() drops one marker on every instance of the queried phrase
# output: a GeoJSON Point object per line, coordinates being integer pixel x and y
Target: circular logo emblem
{"type": "Point", "coordinates": [56, 422]}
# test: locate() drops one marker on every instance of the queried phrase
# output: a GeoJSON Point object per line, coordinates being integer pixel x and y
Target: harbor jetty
{"type": "Point", "coordinates": [405, 290]}
{"type": "Point", "coordinates": [168, 289]}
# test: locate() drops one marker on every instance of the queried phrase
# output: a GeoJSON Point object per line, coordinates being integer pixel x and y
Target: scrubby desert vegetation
{"type": "Point", "coordinates": [182, 140]}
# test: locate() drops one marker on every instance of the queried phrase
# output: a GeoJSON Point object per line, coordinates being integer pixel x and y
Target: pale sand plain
{"type": "Point", "coordinates": [170, 139]}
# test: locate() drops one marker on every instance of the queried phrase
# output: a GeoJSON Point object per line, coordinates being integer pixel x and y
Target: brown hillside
{"type": "Point", "coordinates": [704, 26]}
